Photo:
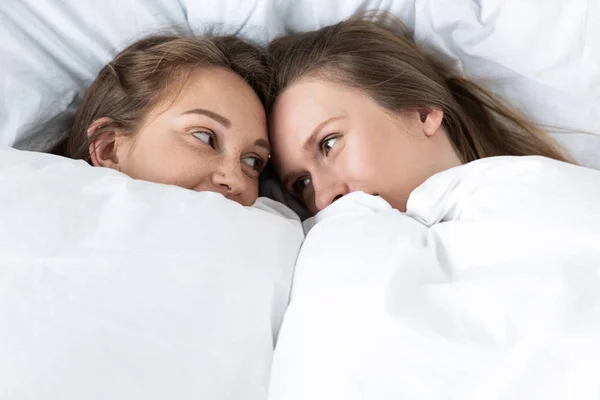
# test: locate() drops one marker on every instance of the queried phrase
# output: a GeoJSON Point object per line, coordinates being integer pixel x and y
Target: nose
{"type": "Point", "coordinates": [326, 195]}
{"type": "Point", "coordinates": [229, 180]}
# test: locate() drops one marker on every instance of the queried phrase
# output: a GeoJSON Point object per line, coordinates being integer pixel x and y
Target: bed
{"type": "Point", "coordinates": [114, 288]}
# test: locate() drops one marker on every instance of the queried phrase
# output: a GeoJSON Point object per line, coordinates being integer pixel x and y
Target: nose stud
{"type": "Point", "coordinates": [227, 186]}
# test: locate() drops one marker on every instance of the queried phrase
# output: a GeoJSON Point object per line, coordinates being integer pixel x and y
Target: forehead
{"type": "Point", "coordinates": [221, 91]}
{"type": "Point", "coordinates": [310, 101]}
{"type": "Point", "coordinates": [311, 97]}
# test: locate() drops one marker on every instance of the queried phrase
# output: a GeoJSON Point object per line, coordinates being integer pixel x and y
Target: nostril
{"type": "Point", "coordinates": [339, 196]}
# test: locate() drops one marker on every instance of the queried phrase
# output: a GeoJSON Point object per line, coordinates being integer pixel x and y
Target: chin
{"type": "Point", "coordinates": [397, 204]}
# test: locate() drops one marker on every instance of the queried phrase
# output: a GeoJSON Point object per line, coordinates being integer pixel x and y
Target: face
{"type": "Point", "coordinates": [330, 140]}
{"type": "Point", "coordinates": [213, 137]}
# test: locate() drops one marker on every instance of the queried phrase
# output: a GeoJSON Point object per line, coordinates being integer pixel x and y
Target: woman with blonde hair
{"type": "Point", "coordinates": [357, 106]}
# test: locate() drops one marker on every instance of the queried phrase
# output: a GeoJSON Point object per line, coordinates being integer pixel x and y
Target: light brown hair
{"type": "Point", "coordinates": [376, 53]}
{"type": "Point", "coordinates": [149, 70]}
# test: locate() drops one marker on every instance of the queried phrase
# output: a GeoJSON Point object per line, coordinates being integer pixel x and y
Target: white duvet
{"type": "Point", "coordinates": [488, 288]}
{"type": "Point", "coordinates": [113, 288]}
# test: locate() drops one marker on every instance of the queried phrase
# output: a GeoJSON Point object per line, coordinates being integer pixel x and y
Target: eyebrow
{"type": "Point", "coordinates": [211, 114]}
{"type": "Point", "coordinates": [308, 142]}
{"type": "Point", "coordinates": [264, 144]}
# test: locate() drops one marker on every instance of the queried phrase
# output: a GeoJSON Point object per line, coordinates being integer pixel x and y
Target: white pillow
{"type": "Point", "coordinates": [304, 15]}
{"type": "Point", "coordinates": [112, 288]}
{"type": "Point", "coordinates": [51, 50]}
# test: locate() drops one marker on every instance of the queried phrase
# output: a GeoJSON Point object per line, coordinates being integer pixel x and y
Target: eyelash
{"type": "Point", "coordinates": [322, 147]}
{"type": "Point", "coordinates": [212, 136]}
{"type": "Point", "coordinates": [296, 185]}
{"type": "Point", "coordinates": [261, 163]}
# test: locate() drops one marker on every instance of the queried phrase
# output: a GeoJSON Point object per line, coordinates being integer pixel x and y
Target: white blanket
{"type": "Point", "coordinates": [488, 289]}
{"type": "Point", "coordinates": [112, 288]}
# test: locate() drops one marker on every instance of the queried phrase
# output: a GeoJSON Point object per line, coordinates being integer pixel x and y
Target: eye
{"type": "Point", "coordinates": [327, 144]}
{"type": "Point", "coordinates": [206, 137]}
{"type": "Point", "coordinates": [256, 163]}
{"type": "Point", "coordinates": [301, 184]}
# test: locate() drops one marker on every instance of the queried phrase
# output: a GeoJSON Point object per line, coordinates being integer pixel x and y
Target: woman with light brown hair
{"type": "Point", "coordinates": [357, 106]}
{"type": "Point", "coordinates": [186, 111]}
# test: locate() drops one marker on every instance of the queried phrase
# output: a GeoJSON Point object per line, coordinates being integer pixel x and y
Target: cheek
{"type": "Point", "coordinates": [251, 194]}
{"type": "Point", "coordinates": [405, 164]}
{"type": "Point", "coordinates": [143, 151]}
{"type": "Point", "coordinates": [363, 160]}
{"type": "Point", "coordinates": [166, 162]}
